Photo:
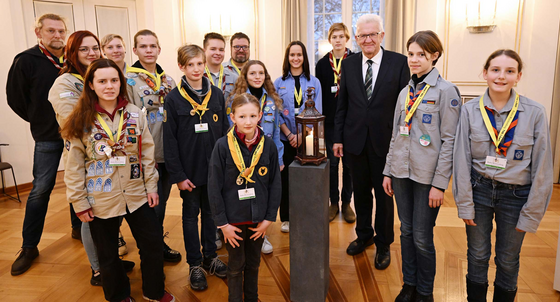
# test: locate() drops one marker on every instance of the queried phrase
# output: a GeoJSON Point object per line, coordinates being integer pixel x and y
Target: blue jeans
{"type": "Point", "coordinates": [194, 203]}
{"type": "Point", "coordinates": [46, 158]}
{"type": "Point", "coordinates": [502, 202]}
{"type": "Point", "coordinates": [417, 233]}
{"type": "Point", "coordinates": [164, 188]}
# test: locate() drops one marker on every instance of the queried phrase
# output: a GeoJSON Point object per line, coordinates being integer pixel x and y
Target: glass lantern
{"type": "Point", "coordinates": [310, 125]}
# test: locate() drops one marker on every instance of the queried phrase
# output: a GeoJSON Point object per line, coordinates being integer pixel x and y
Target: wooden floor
{"type": "Point", "coordinates": [62, 272]}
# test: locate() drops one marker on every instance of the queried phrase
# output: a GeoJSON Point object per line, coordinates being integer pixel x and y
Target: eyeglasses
{"type": "Point", "coordinates": [86, 50]}
{"type": "Point", "coordinates": [239, 47]}
{"type": "Point", "coordinates": [364, 37]}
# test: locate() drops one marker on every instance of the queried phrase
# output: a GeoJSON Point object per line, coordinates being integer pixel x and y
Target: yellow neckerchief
{"type": "Point", "coordinates": [337, 68]}
{"type": "Point", "coordinates": [298, 96]}
{"type": "Point", "coordinates": [157, 79]}
{"type": "Point", "coordinates": [78, 76]}
{"type": "Point", "coordinates": [220, 77]}
{"type": "Point", "coordinates": [410, 113]}
{"type": "Point", "coordinates": [238, 156]}
{"type": "Point", "coordinates": [236, 69]}
{"type": "Point", "coordinates": [108, 130]}
{"type": "Point", "coordinates": [198, 108]}
{"type": "Point", "coordinates": [505, 126]}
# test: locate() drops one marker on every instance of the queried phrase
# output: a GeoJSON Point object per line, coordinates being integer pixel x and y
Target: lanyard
{"type": "Point", "coordinates": [236, 69]}
{"type": "Point", "coordinates": [108, 130]}
{"type": "Point", "coordinates": [505, 126]}
{"type": "Point", "coordinates": [410, 113]}
{"type": "Point", "coordinates": [298, 96]}
{"type": "Point", "coordinates": [197, 108]}
{"type": "Point", "coordinates": [263, 99]}
{"type": "Point", "coordinates": [155, 84]}
{"type": "Point", "coordinates": [78, 76]}
{"type": "Point", "coordinates": [219, 77]}
{"type": "Point", "coordinates": [337, 68]}
{"type": "Point", "coordinates": [237, 156]}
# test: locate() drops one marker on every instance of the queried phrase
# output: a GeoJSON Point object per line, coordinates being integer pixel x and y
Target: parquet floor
{"type": "Point", "coordinates": [62, 273]}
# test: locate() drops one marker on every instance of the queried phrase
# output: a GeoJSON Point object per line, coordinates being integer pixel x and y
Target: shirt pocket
{"type": "Point", "coordinates": [521, 149]}
{"type": "Point", "coordinates": [479, 145]}
{"type": "Point", "coordinates": [428, 116]}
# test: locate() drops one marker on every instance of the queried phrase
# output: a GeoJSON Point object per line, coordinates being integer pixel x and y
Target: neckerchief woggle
{"type": "Point", "coordinates": [412, 104]}
{"type": "Point", "coordinates": [197, 108]}
{"type": "Point", "coordinates": [244, 172]}
{"type": "Point", "coordinates": [220, 77]}
{"type": "Point", "coordinates": [503, 139]}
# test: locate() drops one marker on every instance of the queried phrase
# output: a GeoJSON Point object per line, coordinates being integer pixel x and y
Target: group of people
{"type": "Point", "coordinates": [225, 133]}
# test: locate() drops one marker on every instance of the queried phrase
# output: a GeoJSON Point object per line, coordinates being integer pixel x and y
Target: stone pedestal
{"type": "Point", "coordinates": [309, 232]}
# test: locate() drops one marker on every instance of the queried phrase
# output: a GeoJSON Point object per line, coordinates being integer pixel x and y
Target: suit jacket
{"type": "Point", "coordinates": [356, 116]}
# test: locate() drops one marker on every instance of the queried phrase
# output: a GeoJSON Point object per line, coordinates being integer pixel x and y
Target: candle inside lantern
{"type": "Point", "coordinates": [309, 144]}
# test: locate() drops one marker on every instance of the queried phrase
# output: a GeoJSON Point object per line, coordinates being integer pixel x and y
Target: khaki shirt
{"type": "Point", "coordinates": [110, 190]}
{"type": "Point", "coordinates": [529, 157]}
{"type": "Point", "coordinates": [64, 95]}
{"type": "Point", "coordinates": [436, 117]}
{"type": "Point", "coordinates": [143, 96]}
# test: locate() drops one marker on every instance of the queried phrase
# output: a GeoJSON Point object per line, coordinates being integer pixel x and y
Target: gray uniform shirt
{"type": "Point", "coordinates": [529, 157]}
{"type": "Point", "coordinates": [437, 116]}
{"type": "Point", "coordinates": [231, 77]}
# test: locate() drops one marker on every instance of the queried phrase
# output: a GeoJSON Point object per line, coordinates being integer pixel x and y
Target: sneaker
{"type": "Point", "coordinates": [128, 265]}
{"type": "Point", "coordinates": [215, 266]}
{"type": "Point", "coordinates": [197, 278]}
{"type": "Point", "coordinates": [123, 250]}
{"type": "Point", "coordinates": [95, 278]}
{"type": "Point", "coordinates": [167, 297]}
{"type": "Point", "coordinates": [267, 246]}
{"type": "Point", "coordinates": [285, 227]}
{"type": "Point", "coordinates": [24, 260]}
{"type": "Point", "coordinates": [77, 233]}
{"type": "Point", "coordinates": [219, 243]}
{"type": "Point", "coordinates": [169, 254]}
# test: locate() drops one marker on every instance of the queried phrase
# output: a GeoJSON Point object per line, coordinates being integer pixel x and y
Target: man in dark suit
{"type": "Point", "coordinates": [369, 89]}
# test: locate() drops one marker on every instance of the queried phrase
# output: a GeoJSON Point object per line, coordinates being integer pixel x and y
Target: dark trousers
{"type": "Point", "coordinates": [164, 188]}
{"type": "Point", "coordinates": [367, 173]}
{"type": "Point", "coordinates": [333, 176]}
{"type": "Point", "coordinates": [289, 155]}
{"type": "Point", "coordinates": [146, 231]}
{"type": "Point", "coordinates": [194, 203]}
{"type": "Point", "coordinates": [46, 158]}
{"type": "Point", "coordinates": [243, 266]}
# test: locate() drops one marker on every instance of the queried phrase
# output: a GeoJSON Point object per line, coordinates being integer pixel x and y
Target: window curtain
{"type": "Point", "coordinates": [294, 21]}
{"type": "Point", "coordinates": [400, 17]}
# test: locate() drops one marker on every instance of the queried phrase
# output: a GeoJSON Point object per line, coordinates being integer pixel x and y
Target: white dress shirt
{"type": "Point", "coordinates": [374, 67]}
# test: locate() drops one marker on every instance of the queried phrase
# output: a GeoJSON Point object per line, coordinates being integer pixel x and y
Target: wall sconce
{"type": "Point", "coordinates": [324, 47]}
{"type": "Point", "coordinates": [481, 15]}
{"type": "Point", "coordinates": [221, 23]}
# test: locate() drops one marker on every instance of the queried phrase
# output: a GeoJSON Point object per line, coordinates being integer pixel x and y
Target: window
{"type": "Point", "coordinates": [327, 12]}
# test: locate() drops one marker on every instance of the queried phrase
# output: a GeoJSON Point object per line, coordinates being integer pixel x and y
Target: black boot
{"type": "Point", "coordinates": [502, 295]}
{"type": "Point", "coordinates": [476, 292]}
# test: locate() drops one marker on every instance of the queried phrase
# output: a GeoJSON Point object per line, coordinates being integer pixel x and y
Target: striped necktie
{"type": "Point", "coordinates": [368, 82]}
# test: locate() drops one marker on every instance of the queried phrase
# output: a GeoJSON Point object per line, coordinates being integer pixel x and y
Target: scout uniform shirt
{"type": "Point", "coordinates": [226, 77]}
{"type": "Point", "coordinates": [64, 95]}
{"type": "Point", "coordinates": [232, 73]}
{"type": "Point", "coordinates": [529, 157]}
{"type": "Point", "coordinates": [109, 190]}
{"type": "Point", "coordinates": [148, 91]}
{"type": "Point", "coordinates": [426, 154]}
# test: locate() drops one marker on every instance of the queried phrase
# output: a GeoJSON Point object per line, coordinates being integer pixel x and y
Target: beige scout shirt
{"type": "Point", "coordinates": [143, 96]}
{"type": "Point", "coordinates": [64, 95]}
{"type": "Point", "coordinates": [110, 190]}
{"type": "Point", "coordinates": [435, 119]}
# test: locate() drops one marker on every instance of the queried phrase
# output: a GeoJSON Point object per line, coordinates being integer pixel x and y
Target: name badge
{"type": "Point", "coordinates": [296, 111]}
{"type": "Point", "coordinates": [246, 193]}
{"type": "Point", "coordinates": [117, 161]}
{"type": "Point", "coordinates": [334, 89]}
{"type": "Point", "coordinates": [495, 162]}
{"type": "Point", "coordinates": [403, 131]}
{"type": "Point", "coordinates": [161, 110]}
{"type": "Point", "coordinates": [134, 114]}
{"type": "Point", "coordinates": [199, 128]}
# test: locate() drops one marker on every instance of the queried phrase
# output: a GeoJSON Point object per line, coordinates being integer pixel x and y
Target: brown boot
{"type": "Point", "coordinates": [333, 211]}
{"type": "Point", "coordinates": [348, 213]}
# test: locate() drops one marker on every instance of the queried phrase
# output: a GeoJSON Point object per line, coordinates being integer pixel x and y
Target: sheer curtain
{"type": "Point", "coordinates": [400, 17]}
{"type": "Point", "coordinates": [294, 21]}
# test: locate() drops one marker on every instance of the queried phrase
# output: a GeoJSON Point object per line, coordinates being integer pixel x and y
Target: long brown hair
{"type": "Point", "coordinates": [73, 64]}
{"type": "Point", "coordinates": [241, 84]}
{"type": "Point", "coordinates": [286, 64]}
{"type": "Point", "coordinates": [83, 115]}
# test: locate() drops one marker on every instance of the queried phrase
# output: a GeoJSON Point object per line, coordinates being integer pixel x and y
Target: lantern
{"type": "Point", "coordinates": [310, 125]}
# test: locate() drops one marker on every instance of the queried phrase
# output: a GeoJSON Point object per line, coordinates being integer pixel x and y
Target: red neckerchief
{"type": "Point", "coordinates": [121, 103]}
{"type": "Point", "coordinates": [337, 74]}
{"type": "Point", "coordinates": [255, 138]}
{"type": "Point", "coordinates": [49, 56]}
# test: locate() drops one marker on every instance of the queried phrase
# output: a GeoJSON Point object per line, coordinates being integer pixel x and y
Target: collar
{"type": "Point", "coordinates": [137, 64]}
{"type": "Point", "coordinates": [430, 78]}
{"type": "Point", "coordinates": [241, 136]}
{"type": "Point", "coordinates": [121, 103]}
{"type": "Point", "coordinates": [376, 59]}
{"type": "Point", "coordinates": [205, 86]}
{"type": "Point", "coordinates": [507, 107]}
